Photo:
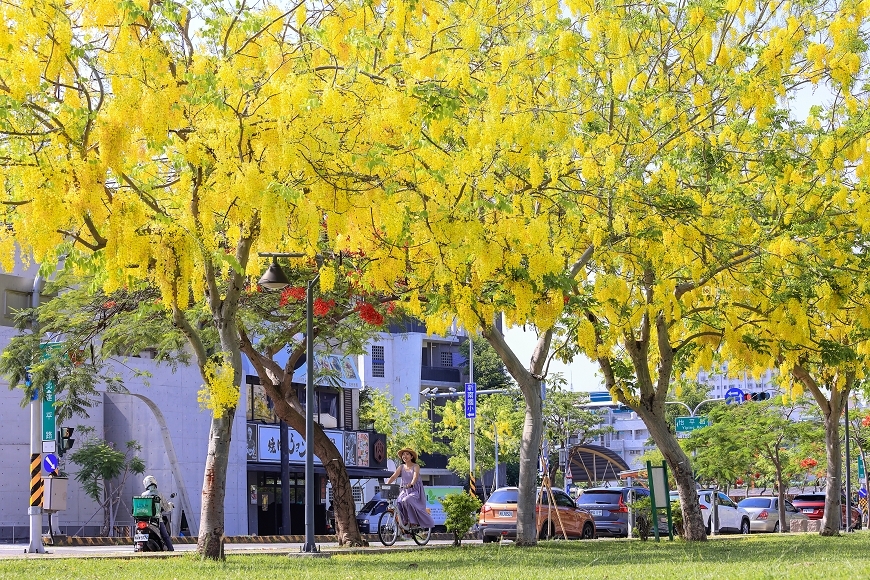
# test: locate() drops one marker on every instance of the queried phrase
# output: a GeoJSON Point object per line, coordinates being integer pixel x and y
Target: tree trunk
{"type": "Point", "coordinates": [113, 509]}
{"type": "Point", "coordinates": [529, 381]}
{"type": "Point", "coordinates": [210, 543]}
{"type": "Point", "coordinates": [530, 449]}
{"type": "Point", "coordinates": [681, 469]}
{"type": "Point", "coordinates": [784, 524]}
{"type": "Point", "coordinates": [347, 530]}
{"type": "Point", "coordinates": [833, 510]}
{"type": "Point", "coordinates": [107, 507]}
{"type": "Point", "coordinates": [832, 411]}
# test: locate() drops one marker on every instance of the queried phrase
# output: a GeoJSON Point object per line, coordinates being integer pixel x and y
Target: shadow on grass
{"type": "Point", "coordinates": [796, 556]}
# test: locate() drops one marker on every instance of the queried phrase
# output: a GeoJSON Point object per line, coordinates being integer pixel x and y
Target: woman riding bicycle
{"type": "Point", "coordinates": [412, 499]}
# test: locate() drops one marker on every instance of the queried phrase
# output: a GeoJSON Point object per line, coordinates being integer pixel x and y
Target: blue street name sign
{"type": "Point", "coordinates": [470, 400]}
{"type": "Point", "coordinates": [50, 462]}
{"type": "Point", "coordinates": [733, 395]}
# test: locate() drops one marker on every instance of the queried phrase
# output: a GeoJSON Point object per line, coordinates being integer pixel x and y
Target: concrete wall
{"type": "Point", "coordinates": [119, 419]}
{"type": "Point", "coordinates": [128, 418]}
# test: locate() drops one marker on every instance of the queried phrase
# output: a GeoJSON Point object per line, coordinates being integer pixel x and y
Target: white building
{"type": "Point", "coordinates": [163, 415]}
{"type": "Point", "coordinates": [407, 360]}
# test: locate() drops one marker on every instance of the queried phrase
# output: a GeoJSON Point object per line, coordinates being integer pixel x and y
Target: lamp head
{"type": "Point", "coordinates": [274, 278]}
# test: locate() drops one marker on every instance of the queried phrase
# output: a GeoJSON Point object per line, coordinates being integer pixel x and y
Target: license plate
{"type": "Point", "coordinates": [140, 538]}
{"type": "Point", "coordinates": [505, 514]}
{"type": "Point", "coordinates": [808, 510]}
{"type": "Point", "coordinates": [595, 512]}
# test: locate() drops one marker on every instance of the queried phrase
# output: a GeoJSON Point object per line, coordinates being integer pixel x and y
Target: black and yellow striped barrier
{"type": "Point", "coordinates": [123, 541]}
{"type": "Point", "coordinates": [35, 480]}
{"type": "Point", "coordinates": [472, 485]}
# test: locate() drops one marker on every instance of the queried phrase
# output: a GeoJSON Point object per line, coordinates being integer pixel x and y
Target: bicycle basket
{"type": "Point", "coordinates": [390, 491]}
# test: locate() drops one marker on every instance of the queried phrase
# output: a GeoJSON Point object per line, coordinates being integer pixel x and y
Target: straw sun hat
{"type": "Point", "coordinates": [409, 450]}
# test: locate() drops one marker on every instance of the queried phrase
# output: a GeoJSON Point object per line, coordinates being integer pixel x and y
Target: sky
{"type": "Point", "coordinates": [582, 374]}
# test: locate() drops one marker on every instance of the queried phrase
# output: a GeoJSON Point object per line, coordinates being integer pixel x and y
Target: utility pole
{"type": "Point", "coordinates": [34, 511]}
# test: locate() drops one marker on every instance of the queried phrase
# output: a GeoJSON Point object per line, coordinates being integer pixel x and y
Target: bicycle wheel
{"type": "Point", "coordinates": [421, 535]}
{"type": "Point", "coordinates": [388, 531]}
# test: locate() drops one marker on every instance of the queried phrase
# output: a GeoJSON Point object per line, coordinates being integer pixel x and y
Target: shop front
{"type": "Point", "coordinates": [364, 458]}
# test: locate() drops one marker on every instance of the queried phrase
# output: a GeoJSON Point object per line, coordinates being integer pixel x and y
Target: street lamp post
{"type": "Point", "coordinates": [472, 485]}
{"type": "Point", "coordinates": [275, 279]}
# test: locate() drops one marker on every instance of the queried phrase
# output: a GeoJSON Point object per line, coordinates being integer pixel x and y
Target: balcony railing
{"type": "Point", "coordinates": [440, 374]}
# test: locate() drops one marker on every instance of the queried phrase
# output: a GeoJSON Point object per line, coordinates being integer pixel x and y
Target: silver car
{"type": "Point", "coordinates": [764, 513]}
{"type": "Point", "coordinates": [732, 518]}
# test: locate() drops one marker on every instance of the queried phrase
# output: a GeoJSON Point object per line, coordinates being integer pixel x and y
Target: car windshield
{"type": "Point", "coordinates": [755, 502]}
{"type": "Point", "coordinates": [504, 496]}
{"type": "Point", "coordinates": [810, 497]}
{"type": "Point", "coordinates": [596, 496]}
{"type": "Point", "coordinates": [370, 506]}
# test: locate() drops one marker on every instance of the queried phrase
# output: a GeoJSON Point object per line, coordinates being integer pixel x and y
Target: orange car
{"type": "Point", "coordinates": [498, 516]}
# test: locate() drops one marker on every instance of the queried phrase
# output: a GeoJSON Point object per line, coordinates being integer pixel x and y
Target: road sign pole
{"type": "Point", "coordinates": [34, 510]}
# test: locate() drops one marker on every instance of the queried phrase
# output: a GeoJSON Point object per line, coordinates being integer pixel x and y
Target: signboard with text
{"type": "Point", "coordinates": [470, 400]}
{"type": "Point", "coordinates": [686, 424]}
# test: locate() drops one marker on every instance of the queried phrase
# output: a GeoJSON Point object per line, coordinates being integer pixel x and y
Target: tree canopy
{"type": "Point", "coordinates": [633, 167]}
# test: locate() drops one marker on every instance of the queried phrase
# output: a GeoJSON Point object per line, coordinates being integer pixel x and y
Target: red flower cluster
{"type": "Point", "coordinates": [368, 313]}
{"type": "Point", "coordinates": [321, 307]}
{"type": "Point", "coordinates": [866, 421]}
{"type": "Point", "coordinates": [808, 463]}
{"type": "Point", "coordinates": [294, 292]}
{"type": "Point", "coordinates": [109, 304]}
{"type": "Point", "coordinates": [739, 481]}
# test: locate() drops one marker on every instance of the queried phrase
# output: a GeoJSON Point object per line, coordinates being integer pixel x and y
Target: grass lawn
{"type": "Point", "coordinates": [770, 556]}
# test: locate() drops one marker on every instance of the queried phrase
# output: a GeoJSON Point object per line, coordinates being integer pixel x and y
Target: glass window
{"type": "Point", "coordinates": [755, 502]}
{"type": "Point", "coordinates": [327, 409]}
{"type": "Point", "coordinates": [446, 359]}
{"type": "Point", "coordinates": [562, 499]}
{"type": "Point", "coordinates": [596, 496]}
{"type": "Point", "coordinates": [377, 361]}
{"type": "Point", "coordinates": [504, 496]}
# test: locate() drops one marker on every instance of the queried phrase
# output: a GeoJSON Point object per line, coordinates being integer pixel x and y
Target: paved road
{"type": "Point", "coordinates": [20, 550]}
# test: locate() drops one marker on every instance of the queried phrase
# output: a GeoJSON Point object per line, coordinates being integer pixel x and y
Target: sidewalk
{"type": "Point", "coordinates": [118, 550]}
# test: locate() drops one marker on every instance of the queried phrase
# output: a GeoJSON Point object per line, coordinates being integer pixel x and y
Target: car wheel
{"type": "Point", "coordinates": [546, 532]}
{"type": "Point", "coordinates": [776, 527]}
{"type": "Point", "coordinates": [588, 532]}
{"type": "Point", "coordinates": [488, 539]}
{"type": "Point", "coordinates": [744, 526]}
{"type": "Point", "coordinates": [709, 528]}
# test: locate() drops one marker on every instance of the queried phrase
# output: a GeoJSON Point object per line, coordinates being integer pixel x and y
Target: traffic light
{"type": "Point", "coordinates": [65, 440]}
{"type": "Point", "coordinates": [760, 396]}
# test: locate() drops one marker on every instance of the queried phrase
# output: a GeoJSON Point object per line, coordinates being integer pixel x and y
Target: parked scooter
{"type": "Point", "coordinates": [146, 529]}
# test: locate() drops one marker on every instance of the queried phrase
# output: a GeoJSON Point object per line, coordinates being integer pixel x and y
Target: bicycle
{"type": "Point", "coordinates": [390, 524]}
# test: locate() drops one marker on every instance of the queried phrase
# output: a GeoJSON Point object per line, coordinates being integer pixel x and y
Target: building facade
{"type": "Point", "coordinates": [163, 415]}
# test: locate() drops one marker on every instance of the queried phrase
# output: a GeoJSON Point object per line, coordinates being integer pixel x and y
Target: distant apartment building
{"type": "Point", "coordinates": [630, 436]}
{"type": "Point", "coordinates": [406, 360]}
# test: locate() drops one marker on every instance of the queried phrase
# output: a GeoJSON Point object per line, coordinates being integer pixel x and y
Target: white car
{"type": "Point", "coordinates": [732, 518]}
